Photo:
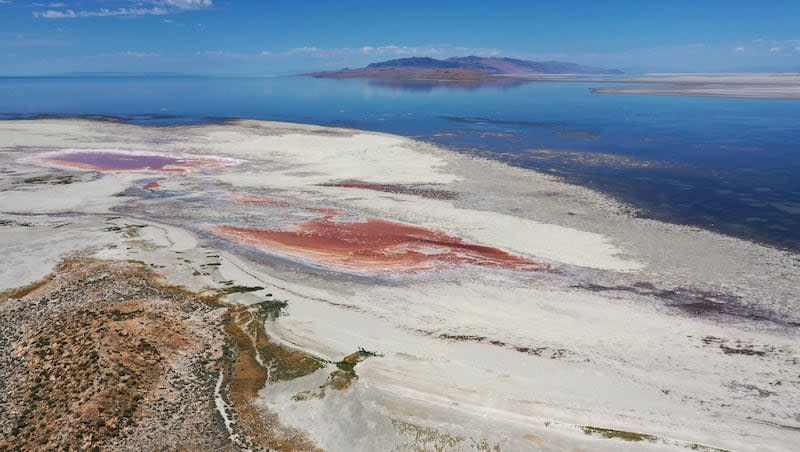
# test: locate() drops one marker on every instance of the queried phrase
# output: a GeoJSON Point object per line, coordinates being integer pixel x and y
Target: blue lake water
{"type": "Point", "coordinates": [730, 165]}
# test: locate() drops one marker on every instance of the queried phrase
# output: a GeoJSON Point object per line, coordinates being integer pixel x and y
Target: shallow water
{"type": "Point", "coordinates": [729, 165]}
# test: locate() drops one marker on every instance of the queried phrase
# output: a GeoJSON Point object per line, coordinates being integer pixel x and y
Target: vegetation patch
{"type": "Point", "coordinates": [240, 289]}
{"type": "Point", "coordinates": [257, 362]}
{"type": "Point", "coordinates": [14, 223]}
{"type": "Point", "coordinates": [100, 355]}
{"type": "Point", "coordinates": [345, 373]}
{"type": "Point", "coordinates": [637, 437]}
{"type": "Point", "coordinates": [21, 292]}
{"type": "Point", "coordinates": [618, 434]}
{"type": "Point", "coordinates": [126, 230]}
{"type": "Point", "coordinates": [48, 179]}
{"type": "Point", "coordinates": [419, 438]}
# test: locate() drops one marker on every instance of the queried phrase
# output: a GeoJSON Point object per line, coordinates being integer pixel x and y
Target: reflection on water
{"type": "Point", "coordinates": [501, 122]}
{"type": "Point", "coordinates": [730, 165]}
{"type": "Point", "coordinates": [426, 85]}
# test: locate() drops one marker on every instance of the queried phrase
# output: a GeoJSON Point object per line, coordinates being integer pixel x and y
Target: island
{"type": "Point", "coordinates": [460, 69]}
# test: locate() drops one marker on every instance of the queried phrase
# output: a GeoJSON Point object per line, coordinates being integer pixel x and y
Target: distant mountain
{"type": "Point", "coordinates": [515, 66]}
{"type": "Point", "coordinates": [416, 63]}
{"type": "Point", "coordinates": [461, 68]}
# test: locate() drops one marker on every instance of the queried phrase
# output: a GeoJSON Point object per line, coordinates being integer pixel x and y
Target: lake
{"type": "Point", "coordinates": [729, 165]}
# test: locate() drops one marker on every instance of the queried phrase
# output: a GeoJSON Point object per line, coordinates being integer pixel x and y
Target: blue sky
{"type": "Point", "coordinates": [279, 37]}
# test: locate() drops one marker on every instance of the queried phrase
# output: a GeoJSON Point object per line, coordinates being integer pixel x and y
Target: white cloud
{"type": "Point", "coordinates": [104, 12]}
{"type": "Point", "coordinates": [388, 51]}
{"type": "Point", "coordinates": [767, 47]}
{"type": "Point", "coordinates": [231, 55]}
{"type": "Point", "coordinates": [51, 14]}
{"type": "Point", "coordinates": [234, 55]}
{"type": "Point", "coordinates": [188, 4]}
{"type": "Point", "coordinates": [136, 54]}
{"type": "Point", "coordinates": [216, 53]}
{"type": "Point", "coordinates": [303, 51]}
{"type": "Point", "coordinates": [158, 8]}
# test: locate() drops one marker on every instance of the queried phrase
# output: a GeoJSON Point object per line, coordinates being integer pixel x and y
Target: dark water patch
{"type": "Point", "coordinates": [738, 347]}
{"type": "Point", "coordinates": [502, 122]}
{"type": "Point", "coordinates": [698, 303]}
{"type": "Point", "coordinates": [427, 85]}
{"type": "Point", "coordinates": [582, 134]}
{"type": "Point", "coordinates": [34, 116]}
{"type": "Point", "coordinates": [403, 189]}
{"type": "Point", "coordinates": [541, 352]}
{"type": "Point", "coordinates": [575, 158]}
{"type": "Point", "coordinates": [145, 119]}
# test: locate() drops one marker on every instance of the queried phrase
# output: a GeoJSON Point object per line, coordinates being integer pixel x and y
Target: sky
{"type": "Point", "coordinates": [274, 37]}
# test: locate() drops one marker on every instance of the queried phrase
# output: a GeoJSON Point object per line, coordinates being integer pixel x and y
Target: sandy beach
{"type": "Point", "coordinates": [417, 298]}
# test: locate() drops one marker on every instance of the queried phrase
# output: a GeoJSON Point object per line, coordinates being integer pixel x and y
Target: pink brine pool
{"type": "Point", "coordinates": [113, 160]}
{"type": "Point", "coordinates": [372, 246]}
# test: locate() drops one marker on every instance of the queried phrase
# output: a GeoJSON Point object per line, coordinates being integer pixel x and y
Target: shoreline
{"type": "Point", "coordinates": [576, 365]}
{"type": "Point", "coordinates": [725, 92]}
{"type": "Point", "coordinates": [643, 207]}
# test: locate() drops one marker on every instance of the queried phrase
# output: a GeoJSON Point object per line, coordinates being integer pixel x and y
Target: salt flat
{"type": "Point", "coordinates": [744, 85]}
{"type": "Point", "coordinates": [626, 334]}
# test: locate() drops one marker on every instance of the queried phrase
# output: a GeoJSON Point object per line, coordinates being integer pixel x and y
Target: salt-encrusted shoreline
{"type": "Point", "coordinates": [740, 85]}
{"type": "Point", "coordinates": [633, 333]}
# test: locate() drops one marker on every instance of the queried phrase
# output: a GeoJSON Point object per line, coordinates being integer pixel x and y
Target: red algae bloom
{"type": "Point", "coordinates": [372, 246]}
{"type": "Point", "coordinates": [114, 160]}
